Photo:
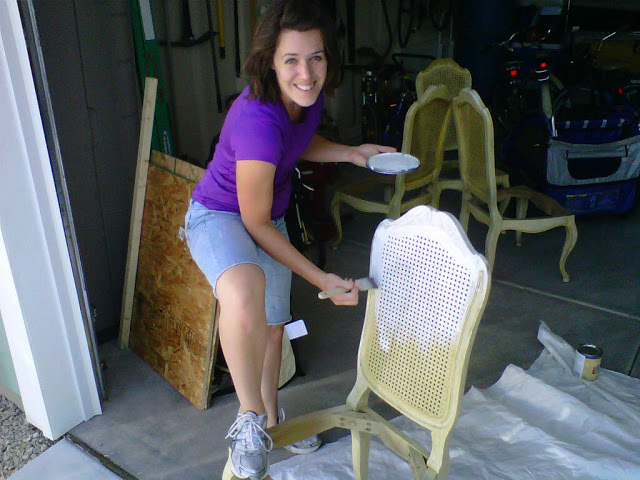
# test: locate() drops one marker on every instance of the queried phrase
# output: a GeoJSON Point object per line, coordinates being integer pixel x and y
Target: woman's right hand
{"type": "Point", "coordinates": [331, 280]}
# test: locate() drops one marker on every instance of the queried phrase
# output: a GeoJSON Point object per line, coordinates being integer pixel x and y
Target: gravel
{"type": "Point", "coordinates": [20, 441]}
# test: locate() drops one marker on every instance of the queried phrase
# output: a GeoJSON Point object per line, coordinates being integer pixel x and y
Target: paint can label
{"type": "Point", "coordinates": [587, 361]}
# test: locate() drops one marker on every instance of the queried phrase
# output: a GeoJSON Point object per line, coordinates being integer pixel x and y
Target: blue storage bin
{"type": "Point", "coordinates": [614, 198]}
{"type": "Point", "coordinates": [589, 166]}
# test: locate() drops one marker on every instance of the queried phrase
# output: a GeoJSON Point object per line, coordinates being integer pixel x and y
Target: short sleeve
{"type": "Point", "coordinates": [257, 136]}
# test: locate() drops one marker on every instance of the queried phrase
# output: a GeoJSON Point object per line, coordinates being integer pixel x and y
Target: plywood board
{"type": "Point", "coordinates": [174, 311]}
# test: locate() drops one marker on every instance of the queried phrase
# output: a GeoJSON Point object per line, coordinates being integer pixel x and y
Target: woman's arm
{"type": "Point", "coordinates": [254, 181]}
{"type": "Point", "coordinates": [322, 150]}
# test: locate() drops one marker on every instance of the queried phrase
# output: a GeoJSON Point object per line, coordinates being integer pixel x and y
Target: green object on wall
{"type": "Point", "coordinates": [148, 65]}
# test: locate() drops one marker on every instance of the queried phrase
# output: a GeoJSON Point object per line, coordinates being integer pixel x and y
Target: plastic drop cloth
{"type": "Point", "coordinates": [542, 423]}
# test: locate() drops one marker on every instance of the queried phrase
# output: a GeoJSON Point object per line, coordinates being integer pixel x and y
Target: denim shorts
{"type": "Point", "coordinates": [218, 240]}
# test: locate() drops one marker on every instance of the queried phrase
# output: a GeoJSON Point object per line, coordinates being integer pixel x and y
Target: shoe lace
{"type": "Point", "coordinates": [248, 434]}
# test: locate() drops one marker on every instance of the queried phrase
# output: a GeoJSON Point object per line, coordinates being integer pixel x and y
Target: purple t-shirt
{"type": "Point", "coordinates": [256, 131]}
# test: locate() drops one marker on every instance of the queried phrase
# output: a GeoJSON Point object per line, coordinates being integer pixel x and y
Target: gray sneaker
{"type": "Point", "coordinates": [306, 445]}
{"type": "Point", "coordinates": [250, 446]}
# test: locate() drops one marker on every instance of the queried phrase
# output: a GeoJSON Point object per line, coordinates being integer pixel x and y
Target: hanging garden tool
{"type": "Point", "coordinates": [237, 36]}
{"type": "Point", "coordinates": [213, 57]}
{"type": "Point", "coordinates": [221, 28]}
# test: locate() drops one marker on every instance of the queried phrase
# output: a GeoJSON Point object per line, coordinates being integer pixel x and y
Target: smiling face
{"type": "Point", "coordinates": [300, 64]}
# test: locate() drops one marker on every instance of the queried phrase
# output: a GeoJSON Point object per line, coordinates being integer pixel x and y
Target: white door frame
{"type": "Point", "coordinates": [39, 303]}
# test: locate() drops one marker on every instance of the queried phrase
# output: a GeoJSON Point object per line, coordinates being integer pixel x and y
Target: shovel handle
{"type": "Point", "coordinates": [331, 292]}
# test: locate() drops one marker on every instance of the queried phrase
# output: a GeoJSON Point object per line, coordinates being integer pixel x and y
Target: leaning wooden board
{"type": "Point", "coordinates": [174, 317]}
{"type": "Point", "coordinates": [173, 324]}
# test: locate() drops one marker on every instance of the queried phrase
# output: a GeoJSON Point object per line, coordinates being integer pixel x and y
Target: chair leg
{"type": "Point", "coordinates": [335, 212]}
{"type": "Point", "coordinates": [490, 245]}
{"type": "Point", "coordinates": [394, 207]}
{"type": "Point", "coordinates": [439, 460]}
{"type": "Point", "coordinates": [569, 243]}
{"type": "Point", "coordinates": [360, 442]}
{"type": "Point", "coordinates": [435, 195]}
{"type": "Point", "coordinates": [503, 205]}
{"type": "Point", "coordinates": [464, 211]}
{"type": "Point", "coordinates": [522, 205]}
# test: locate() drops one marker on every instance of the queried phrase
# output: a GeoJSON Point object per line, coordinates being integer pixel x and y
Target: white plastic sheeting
{"type": "Point", "coordinates": [534, 424]}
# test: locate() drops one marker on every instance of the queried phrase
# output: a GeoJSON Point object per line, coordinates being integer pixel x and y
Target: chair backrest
{"type": "Point", "coordinates": [444, 71]}
{"type": "Point", "coordinates": [421, 321]}
{"type": "Point", "coordinates": [476, 146]}
{"type": "Point", "coordinates": [424, 128]}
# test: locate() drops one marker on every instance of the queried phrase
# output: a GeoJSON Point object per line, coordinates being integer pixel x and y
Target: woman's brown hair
{"type": "Point", "coordinates": [298, 15]}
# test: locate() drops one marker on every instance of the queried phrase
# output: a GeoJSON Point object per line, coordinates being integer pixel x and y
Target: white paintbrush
{"type": "Point", "coordinates": [366, 283]}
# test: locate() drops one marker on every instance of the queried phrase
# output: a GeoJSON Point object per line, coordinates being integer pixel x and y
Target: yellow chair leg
{"type": "Point", "coordinates": [522, 205]}
{"type": "Point", "coordinates": [360, 442]}
{"type": "Point", "coordinates": [464, 211]}
{"type": "Point", "coordinates": [439, 460]}
{"type": "Point", "coordinates": [490, 245]}
{"type": "Point", "coordinates": [335, 212]}
{"type": "Point", "coordinates": [569, 242]}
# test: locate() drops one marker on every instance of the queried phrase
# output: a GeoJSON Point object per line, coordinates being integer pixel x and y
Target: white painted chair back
{"type": "Point", "coordinates": [417, 334]}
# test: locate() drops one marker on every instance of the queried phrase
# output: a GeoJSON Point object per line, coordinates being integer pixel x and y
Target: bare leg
{"type": "Point", "coordinates": [271, 372]}
{"type": "Point", "coordinates": [243, 331]}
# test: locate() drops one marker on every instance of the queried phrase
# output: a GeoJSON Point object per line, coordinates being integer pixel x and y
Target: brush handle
{"type": "Point", "coordinates": [331, 292]}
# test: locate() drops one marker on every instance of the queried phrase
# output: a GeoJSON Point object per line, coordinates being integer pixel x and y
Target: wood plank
{"type": "Point", "coordinates": [135, 224]}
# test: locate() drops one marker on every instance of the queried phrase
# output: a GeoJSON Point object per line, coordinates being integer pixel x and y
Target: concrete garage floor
{"type": "Point", "coordinates": [153, 433]}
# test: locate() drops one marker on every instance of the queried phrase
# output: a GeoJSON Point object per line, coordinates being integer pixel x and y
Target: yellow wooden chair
{"type": "Point", "coordinates": [445, 71]}
{"type": "Point", "coordinates": [417, 336]}
{"type": "Point", "coordinates": [423, 137]}
{"type": "Point", "coordinates": [481, 195]}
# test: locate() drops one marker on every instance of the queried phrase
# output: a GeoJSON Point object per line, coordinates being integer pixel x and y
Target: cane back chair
{"type": "Point", "coordinates": [423, 137]}
{"type": "Point", "coordinates": [445, 71]}
{"type": "Point", "coordinates": [481, 195]}
{"type": "Point", "coordinates": [418, 331]}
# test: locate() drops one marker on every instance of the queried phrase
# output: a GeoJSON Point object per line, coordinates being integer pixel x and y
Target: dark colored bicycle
{"type": "Point", "coordinates": [302, 229]}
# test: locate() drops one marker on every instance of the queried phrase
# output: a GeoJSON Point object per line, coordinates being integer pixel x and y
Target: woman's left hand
{"type": "Point", "coordinates": [360, 154]}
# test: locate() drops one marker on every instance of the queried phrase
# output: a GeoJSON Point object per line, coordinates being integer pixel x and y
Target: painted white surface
{"type": "Point", "coordinates": [38, 301]}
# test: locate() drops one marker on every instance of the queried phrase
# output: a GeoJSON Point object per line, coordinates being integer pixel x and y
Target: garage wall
{"type": "Point", "coordinates": [89, 60]}
{"type": "Point", "coordinates": [88, 55]}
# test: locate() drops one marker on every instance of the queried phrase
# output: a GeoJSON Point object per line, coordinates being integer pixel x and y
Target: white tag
{"type": "Point", "coordinates": [296, 329]}
{"type": "Point", "coordinates": [181, 233]}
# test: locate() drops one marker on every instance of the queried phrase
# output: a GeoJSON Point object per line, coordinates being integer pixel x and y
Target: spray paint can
{"type": "Point", "coordinates": [587, 361]}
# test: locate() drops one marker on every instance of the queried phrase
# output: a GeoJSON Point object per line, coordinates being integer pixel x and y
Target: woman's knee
{"type": "Point", "coordinates": [240, 291]}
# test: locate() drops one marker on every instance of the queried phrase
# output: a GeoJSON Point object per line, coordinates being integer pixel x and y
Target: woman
{"type": "Point", "coordinates": [235, 225]}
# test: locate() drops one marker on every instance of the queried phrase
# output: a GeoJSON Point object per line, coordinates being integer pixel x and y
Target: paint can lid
{"type": "Point", "coordinates": [589, 350]}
